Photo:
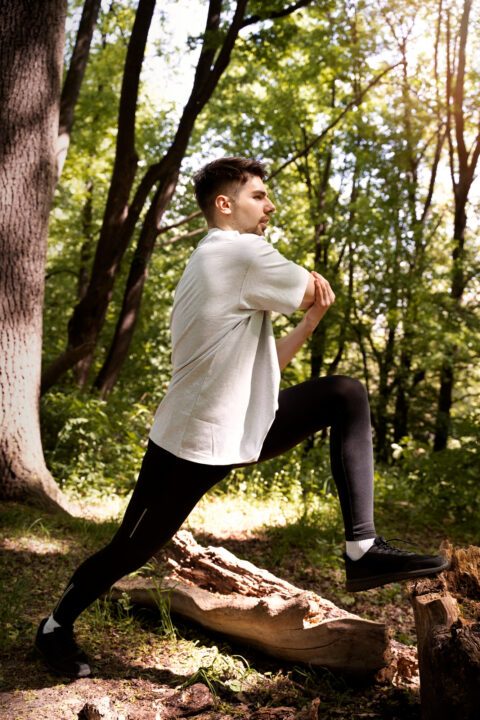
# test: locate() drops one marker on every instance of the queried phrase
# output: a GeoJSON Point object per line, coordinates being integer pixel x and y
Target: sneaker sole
{"type": "Point", "coordinates": [368, 583]}
{"type": "Point", "coordinates": [58, 671]}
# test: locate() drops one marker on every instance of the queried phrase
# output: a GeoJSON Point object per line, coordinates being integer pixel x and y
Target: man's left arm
{"type": "Point", "coordinates": [289, 345]}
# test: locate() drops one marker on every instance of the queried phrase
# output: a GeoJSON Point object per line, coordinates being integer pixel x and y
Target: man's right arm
{"type": "Point", "coordinates": [289, 345]}
{"type": "Point", "coordinates": [309, 297]}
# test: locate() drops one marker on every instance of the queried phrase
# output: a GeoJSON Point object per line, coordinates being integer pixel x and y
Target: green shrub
{"type": "Point", "coordinates": [92, 446]}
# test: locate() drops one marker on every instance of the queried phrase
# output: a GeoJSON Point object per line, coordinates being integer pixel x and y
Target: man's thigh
{"type": "Point", "coordinates": [302, 410]}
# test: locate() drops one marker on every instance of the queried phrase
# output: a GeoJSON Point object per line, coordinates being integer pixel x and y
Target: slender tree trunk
{"type": "Point", "coordinates": [405, 380]}
{"type": "Point", "coordinates": [87, 249]}
{"type": "Point", "coordinates": [386, 358]}
{"type": "Point", "coordinates": [384, 392]}
{"type": "Point", "coordinates": [128, 317]}
{"type": "Point", "coordinates": [321, 255]}
{"type": "Point", "coordinates": [206, 80]}
{"type": "Point", "coordinates": [319, 336]}
{"type": "Point", "coordinates": [346, 320]}
{"type": "Point", "coordinates": [89, 314]}
{"type": "Point", "coordinates": [463, 163]}
{"type": "Point", "coordinates": [447, 372]}
{"type": "Point", "coordinates": [31, 46]}
{"type": "Point", "coordinates": [73, 80]}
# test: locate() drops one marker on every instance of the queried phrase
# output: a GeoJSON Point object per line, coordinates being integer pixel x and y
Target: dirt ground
{"type": "Point", "coordinates": [140, 673]}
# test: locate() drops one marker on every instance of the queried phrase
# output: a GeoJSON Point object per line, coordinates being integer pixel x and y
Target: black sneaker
{"type": "Point", "coordinates": [383, 564]}
{"type": "Point", "coordinates": [61, 653]}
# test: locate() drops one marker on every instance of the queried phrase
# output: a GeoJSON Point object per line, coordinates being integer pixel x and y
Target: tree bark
{"type": "Point", "coordinates": [32, 36]}
{"type": "Point", "coordinates": [449, 644]}
{"type": "Point", "coordinates": [73, 80]}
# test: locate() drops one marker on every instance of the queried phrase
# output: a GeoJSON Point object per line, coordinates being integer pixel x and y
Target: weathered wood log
{"type": "Point", "coordinates": [447, 619]}
{"type": "Point", "coordinates": [223, 593]}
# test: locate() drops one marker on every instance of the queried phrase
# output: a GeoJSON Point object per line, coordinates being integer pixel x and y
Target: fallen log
{"type": "Point", "coordinates": [223, 593]}
{"type": "Point", "coordinates": [447, 619]}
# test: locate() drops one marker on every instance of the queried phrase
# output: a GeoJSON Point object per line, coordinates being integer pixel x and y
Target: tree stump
{"type": "Point", "coordinates": [223, 593]}
{"type": "Point", "coordinates": [447, 619]}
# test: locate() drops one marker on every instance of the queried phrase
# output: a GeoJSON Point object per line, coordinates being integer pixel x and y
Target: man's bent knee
{"type": "Point", "coordinates": [350, 389]}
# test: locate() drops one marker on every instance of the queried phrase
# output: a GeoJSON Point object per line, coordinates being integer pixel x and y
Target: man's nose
{"type": "Point", "coordinates": [270, 206]}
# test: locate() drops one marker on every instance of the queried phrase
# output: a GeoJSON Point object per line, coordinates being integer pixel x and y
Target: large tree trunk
{"type": "Point", "coordinates": [31, 47]}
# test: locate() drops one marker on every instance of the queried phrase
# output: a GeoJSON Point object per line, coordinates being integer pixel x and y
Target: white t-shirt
{"type": "Point", "coordinates": [223, 394]}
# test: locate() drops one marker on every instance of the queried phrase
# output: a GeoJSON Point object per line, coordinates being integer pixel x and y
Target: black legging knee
{"type": "Point", "coordinates": [169, 487]}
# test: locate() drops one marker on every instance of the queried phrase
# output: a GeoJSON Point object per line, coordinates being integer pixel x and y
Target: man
{"type": "Point", "coordinates": [223, 408]}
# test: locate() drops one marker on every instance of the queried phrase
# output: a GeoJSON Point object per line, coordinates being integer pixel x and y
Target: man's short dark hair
{"type": "Point", "coordinates": [218, 176]}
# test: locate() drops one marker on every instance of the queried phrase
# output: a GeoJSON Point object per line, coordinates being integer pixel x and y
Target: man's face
{"type": "Point", "coordinates": [250, 207]}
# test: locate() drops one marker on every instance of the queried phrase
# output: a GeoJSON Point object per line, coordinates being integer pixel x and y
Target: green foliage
{"type": "Point", "coordinates": [90, 446]}
{"type": "Point", "coordinates": [223, 673]}
{"type": "Point", "coordinates": [439, 488]}
{"type": "Point", "coordinates": [350, 206]}
{"type": "Point", "coordinates": [166, 626]}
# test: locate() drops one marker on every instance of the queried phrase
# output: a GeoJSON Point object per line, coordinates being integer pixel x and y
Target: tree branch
{"type": "Point", "coordinates": [458, 92]}
{"type": "Point", "coordinates": [277, 14]}
{"type": "Point", "coordinates": [125, 152]}
{"type": "Point", "coordinates": [475, 155]}
{"type": "Point", "coordinates": [183, 221]}
{"type": "Point", "coordinates": [433, 177]}
{"type": "Point", "coordinates": [223, 56]}
{"type": "Point", "coordinates": [449, 104]}
{"type": "Point", "coordinates": [356, 100]}
{"type": "Point", "coordinates": [64, 362]}
{"type": "Point", "coordinates": [208, 51]}
{"type": "Point", "coordinates": [185, 236]}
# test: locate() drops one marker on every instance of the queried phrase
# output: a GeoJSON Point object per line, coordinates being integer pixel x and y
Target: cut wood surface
{"type": "Point", "coordinates": [223, 593]}
{"type": "Point", "coordinates": [447, 619]}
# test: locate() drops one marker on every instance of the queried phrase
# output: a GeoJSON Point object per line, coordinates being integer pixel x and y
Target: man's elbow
{"type": "Point", "coordinates": [309, 297]}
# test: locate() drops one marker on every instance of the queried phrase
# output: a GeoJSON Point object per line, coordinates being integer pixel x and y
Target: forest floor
{"type": "Point", "coordinates": [148, 669]}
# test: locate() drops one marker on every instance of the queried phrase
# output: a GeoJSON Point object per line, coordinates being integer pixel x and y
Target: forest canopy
{"type": "Point", "coordinates": [366, 115]}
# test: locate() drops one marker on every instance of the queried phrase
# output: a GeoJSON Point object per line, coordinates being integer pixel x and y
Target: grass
{"type": "Point", "coordinates": [300, 542]}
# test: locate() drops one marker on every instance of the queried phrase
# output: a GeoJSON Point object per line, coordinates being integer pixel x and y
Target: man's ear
{"type": "Point", "coordinates": [223, 204]}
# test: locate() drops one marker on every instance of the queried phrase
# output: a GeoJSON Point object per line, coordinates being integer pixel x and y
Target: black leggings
{"type": "Point", "coordinates": [169, 487]}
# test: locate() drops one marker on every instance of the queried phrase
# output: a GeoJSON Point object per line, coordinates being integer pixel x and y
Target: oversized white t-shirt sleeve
{"type": "Point", "coordinates": [272, 282]}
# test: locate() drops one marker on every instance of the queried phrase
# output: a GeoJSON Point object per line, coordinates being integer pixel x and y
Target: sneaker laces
{"type": "Point", "coordinates": [385, 546]}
